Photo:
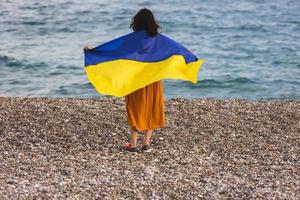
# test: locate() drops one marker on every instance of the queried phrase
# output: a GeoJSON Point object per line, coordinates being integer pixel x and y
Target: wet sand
{"type": "Point", "coordinates": [69, 148]}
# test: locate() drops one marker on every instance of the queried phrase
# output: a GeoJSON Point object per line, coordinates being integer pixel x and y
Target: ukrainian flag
{"type": "Point", "coordinates": [135, 60]}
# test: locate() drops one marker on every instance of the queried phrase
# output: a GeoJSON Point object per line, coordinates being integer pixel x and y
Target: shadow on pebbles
{"type": "Point", "coordinates": [69, 148]}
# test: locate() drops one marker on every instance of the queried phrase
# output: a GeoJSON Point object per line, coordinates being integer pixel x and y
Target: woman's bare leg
{"type": "Point", "coordinates": [147, 137]}
{"type": "Point", "coordinates": [133, 137]}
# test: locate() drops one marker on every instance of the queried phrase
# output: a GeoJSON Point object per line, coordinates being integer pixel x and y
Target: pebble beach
{"type": "Point", "coordinates": [70, 148]}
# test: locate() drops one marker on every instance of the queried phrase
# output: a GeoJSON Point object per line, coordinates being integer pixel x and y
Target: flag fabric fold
{"type": "Point", "coordinates": [135, 60]}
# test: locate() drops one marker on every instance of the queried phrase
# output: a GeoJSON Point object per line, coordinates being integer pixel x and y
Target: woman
{"type": "Point", "coordinates": [145, 106]}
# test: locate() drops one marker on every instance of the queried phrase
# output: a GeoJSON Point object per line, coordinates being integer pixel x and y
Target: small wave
{"type": "Point", "coordinates": [33, 23]}
{"type": "Point", "coordinates": [68, 67]}
{"type": "Point", "coordinates": [19, 82]}
{"type": "Point", "coordinates": [21, 64]}
{"type": "Point", "coordinates": [9, 61]}
{"type": "Point", "coordinates": [55, 73]}
{"type": "Point", "coordinates": [222, 83]}
{"type": "Point", "coordinates": [253, 28]}
{"type": "Point", "coordinates": [82, 12]}
{"type": "Point", "coordinates": [209, 83]}
{"type": "Point", "coordinates": [75, 89]}
{"type": "Point", "coordinates": [281, 81]}
{"type": "Point", "coordinates": [61, 90]}
{"type": "Point", "coordinates": [36, 6]}
{"type": "Point", "coordinates": [4, 12]}
{"type": "Point", "coordinates": [145, 3]}
{"type": "Point", "coordinates": [241, 80]}
{"type": "Point", "coordinates": [36, 65]}
{"type": "Point", "coordinates": [81, 85]}
{"type": "Point", "coordinates": [245, 27]}
{"type": "Point", "coordinates": [292, 22]}
{"type": "Point", "coordinates": [66, 30]}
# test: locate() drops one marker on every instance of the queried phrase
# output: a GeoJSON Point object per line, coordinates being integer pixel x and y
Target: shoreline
{"type": "Point", "coordinates": [168, 99]}
{"type": "Point", "coordinates": [69, 147]}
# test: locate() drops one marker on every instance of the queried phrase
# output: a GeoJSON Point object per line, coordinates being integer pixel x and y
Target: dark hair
{"type": "Point", "coordinates": [144, 20]}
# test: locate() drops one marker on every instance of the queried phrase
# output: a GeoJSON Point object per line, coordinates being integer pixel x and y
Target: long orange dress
{"type": "Point", "coordinates": [145, 107]}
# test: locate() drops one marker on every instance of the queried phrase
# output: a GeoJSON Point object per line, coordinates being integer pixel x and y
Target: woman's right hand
{"type": "Point", "coordinates": [88, 47]}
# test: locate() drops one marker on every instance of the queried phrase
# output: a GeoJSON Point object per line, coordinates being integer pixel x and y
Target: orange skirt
{"type": "Point", "coordinates": [145, 107]}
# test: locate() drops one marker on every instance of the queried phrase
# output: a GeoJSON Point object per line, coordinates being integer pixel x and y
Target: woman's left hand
{"type": "Point", "coordinates": [88, 47]}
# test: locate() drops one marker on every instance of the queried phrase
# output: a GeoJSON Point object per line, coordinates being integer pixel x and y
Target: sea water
{"type": "Point", "coordinates": [251, 48]}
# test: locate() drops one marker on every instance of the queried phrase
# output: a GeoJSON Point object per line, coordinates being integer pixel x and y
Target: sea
{"type": "Point", "coordinates": [251, 48]}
